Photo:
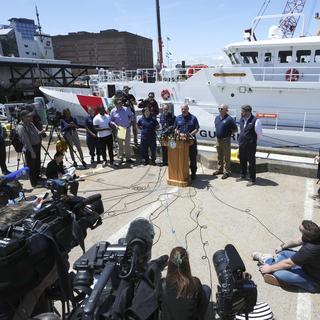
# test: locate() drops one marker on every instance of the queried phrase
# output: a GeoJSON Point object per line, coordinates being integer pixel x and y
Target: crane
{"type": "Point", "coordinates": [288, 24]}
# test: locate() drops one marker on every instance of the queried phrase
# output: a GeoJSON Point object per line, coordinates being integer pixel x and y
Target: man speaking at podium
{"type": "Point", "coordinates": [187, 126]}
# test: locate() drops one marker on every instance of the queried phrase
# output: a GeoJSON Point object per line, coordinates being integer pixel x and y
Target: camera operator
{"type": "Point", "coordinates": [3, 164]}
{"type": "Point", "coordinates": [166, 120]}
{"type": "Point", "coordinates": [69, 126]}
{"type": "Point", "coordinates": [183, 296]}
{"type": "Point", "coordinates": [130, 101]}
{"type": "Point", "coordinates": [295, 268]}
{"type": "Point", "coordinates": [30, 136]}
{"type": "Point", "coordinates": [56, 170]}
{"type": "Point", "coordinates": [150, 103]}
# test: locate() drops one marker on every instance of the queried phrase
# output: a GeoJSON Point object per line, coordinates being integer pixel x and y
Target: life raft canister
{"type": "Point", "coordinates": [292, 75]}
{"type": "Point", "coordinates": [165, 94]}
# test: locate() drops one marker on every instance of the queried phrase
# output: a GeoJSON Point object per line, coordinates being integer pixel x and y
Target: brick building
{"type": "Point", "coordinates": [117, 49]}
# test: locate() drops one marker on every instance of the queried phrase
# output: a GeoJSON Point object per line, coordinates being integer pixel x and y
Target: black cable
{"type": "Point", "coordinates": [246, 211]}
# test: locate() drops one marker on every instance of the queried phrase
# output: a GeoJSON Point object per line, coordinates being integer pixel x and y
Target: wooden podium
{"type": "Point", "coordinates": [178, 162]}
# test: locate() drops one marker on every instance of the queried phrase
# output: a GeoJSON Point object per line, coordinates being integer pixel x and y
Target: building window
{"type": "Point", "coordinates": [26, 46]}
{"type": "Point", "coordinates": [285, 56]}
{"type": "Point", "coordinates": [249, 57]}
{"type": "Point", "coordinates": [303, 56]}
{"type": "Point", "coordinates": [27, 52]}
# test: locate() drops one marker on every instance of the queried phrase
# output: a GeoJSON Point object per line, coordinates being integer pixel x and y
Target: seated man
{"type": "Point", "coordinates": [295, 268]}
{"type": "Point", "coordinates": [56, 170]}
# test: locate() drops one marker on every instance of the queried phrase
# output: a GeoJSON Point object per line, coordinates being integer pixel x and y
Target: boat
{"type": "Point", "coordinates": [279, 77]}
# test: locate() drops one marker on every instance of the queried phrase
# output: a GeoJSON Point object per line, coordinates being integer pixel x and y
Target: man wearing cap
{"type": "Point", "coordinates": [225, 127]}
{"type": "Point", "coordinates": [129, 100]}
{"type": "Point", "coordinates": [30, 136]}
{"type": "Point", "coordinates": [186, 124]}
{"type": "Point", "coordinates": [121, 117]}
{"type": "Point", "coordinates": [250, 130]}
{"type": "Point", "coordinates": [151, 104]}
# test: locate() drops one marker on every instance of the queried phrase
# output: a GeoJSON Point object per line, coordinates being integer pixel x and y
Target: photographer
{"type": "Point", "coordinates": [130, 101]}
{"type": "Point", "coordinates": [166, 120]}
{"type": "Point", "coordinates": [150, 103]}
{"type": "Point", "coordinates": [30, 137]}
{"type": "Point", "coordinates": [295, 268]}
{"type": "Point", "coordinates": [183, 296]}
{"type": "Point", "coordinates": [56, 170]}
{"type": "Point", "coordinates": [69, 128]}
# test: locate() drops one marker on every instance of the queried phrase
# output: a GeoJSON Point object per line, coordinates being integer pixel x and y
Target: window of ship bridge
{"type": "Point", "coordinates": [285, 56]}
{"type": "Point", "coordinates": [249, 57]}
{"type": "Point", "coordinates": [317, 56]}
{"type": "Point", "coordinates": [303, 56]}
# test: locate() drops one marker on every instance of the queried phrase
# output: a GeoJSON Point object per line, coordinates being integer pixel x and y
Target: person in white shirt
{"type": "Point", "coordinates": [101, 124]}
{"type": "Point", "coordinates": [250, 130]}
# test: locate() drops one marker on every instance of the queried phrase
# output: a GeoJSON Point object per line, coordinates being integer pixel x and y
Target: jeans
{"type": "Point", "coordinates": [294, 276]}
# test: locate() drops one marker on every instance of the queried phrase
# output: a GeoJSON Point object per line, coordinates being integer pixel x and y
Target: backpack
{"type": "Point", "coordinates": [15, 140]}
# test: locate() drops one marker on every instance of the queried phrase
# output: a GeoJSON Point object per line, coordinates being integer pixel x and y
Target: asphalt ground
{"type": "Point", "coordinates": [205, 217]}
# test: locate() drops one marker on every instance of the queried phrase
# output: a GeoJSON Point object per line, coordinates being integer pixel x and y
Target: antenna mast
{"type": "Point", "coordinates": [289, 24]}
{"type": "Point", "coordinates": [160, 53]}
{"type": "Point", "coordinates": [39, 25]}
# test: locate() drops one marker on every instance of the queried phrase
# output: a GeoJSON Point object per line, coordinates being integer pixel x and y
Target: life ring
{"type": "Point", "coordinates": [292, 75]}
{"type": "Point", "coordinates": [165, 94]}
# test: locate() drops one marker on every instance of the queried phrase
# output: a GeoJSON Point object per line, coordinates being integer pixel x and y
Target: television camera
{"type": "Point", "coordinates": [34, 252]}
{"type": "Point", "coordinates": [237, 293]}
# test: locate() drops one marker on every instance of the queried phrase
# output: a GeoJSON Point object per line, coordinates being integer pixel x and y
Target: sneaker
{"type": "Point", "coordinates": [129, 161]}
{"type": "Point", "coordinates": [104, 164]}
{"type": "Point", "coordinates": [251, 183]}
{"type": "Point", "coordinates": [225, 176]}
{"type": "Point", "coordinates": [241, 178]}
{"type": "Point", "coordinates": [261, 257]}
{"type": "Point", "coordinates": [217, 172]}
{"type": "Point", "coordinates": [271, 279]}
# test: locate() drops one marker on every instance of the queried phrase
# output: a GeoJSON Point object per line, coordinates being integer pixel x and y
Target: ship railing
{"type": "Point", "coordinates": [291, 73]}
{"type": "Point", "coordinates": [150, 75]}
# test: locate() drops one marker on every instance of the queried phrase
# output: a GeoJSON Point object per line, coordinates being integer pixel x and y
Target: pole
{"type": "Point", "coordinates": [160, 53]}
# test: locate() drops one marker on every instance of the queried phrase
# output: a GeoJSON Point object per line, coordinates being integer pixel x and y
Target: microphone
{"type": "Point", "coordinates": [21, 173]}
{"type": "Point", "coordinates": [235, 262]}
{"type": "Point", "coordinates": [139, 241]}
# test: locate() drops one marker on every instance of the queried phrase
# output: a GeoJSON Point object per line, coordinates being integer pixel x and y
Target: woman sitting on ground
{"type": "Point", "coordinates": [183, 296]}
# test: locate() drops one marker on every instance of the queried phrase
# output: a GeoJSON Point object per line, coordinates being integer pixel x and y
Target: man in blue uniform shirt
{"type": "Point", "coordinates": [187, 124]}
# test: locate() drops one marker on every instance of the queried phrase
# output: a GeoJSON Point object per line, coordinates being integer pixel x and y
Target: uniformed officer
{"type": "Point", "coordinates": [187, 124]}
{"type": "Point", "coordinates": [166, 120]}
{"type": "Point", "coordinates": [148, 126]}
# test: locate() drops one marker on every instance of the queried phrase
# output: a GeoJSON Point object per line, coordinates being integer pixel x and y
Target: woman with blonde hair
{"type": "Point", "coordinates": [183, 296]}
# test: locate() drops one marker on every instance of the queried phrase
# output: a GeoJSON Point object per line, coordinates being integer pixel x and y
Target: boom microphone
{"type": "Point", "coordinates": [235, 262]}
{"type": "Point", "coordinates": [21, 173]}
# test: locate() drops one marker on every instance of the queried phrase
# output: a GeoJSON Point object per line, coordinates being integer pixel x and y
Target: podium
{"type": "Point", "coordinates": [178, 162]}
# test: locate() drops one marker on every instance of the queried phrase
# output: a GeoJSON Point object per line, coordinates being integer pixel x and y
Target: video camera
{"type": "Point", "coordinates": [53, 117]}
{"type": "Point", "coordinates": [237, 293]}
{"type": "Point", "coordinates": [113, 277]}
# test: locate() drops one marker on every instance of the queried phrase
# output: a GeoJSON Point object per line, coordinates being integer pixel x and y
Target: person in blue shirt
{"type": "Point", "coordinates": [148, 126]}
{"type": "Point", "coordinates": [92, 139]}
{"type": "Point", "coordinates": [167, 121]}
{"type": "Point", "coordinates": [186, 124]}
{"type": "Point", "coordinates": [225, 126]}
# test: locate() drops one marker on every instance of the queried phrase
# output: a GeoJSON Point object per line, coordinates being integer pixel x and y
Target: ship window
{"type": "Point", "coordinates": [231, 58]}
{"type": "Point", "coordinates": [235, 58]}
{"type": "Point", "coordinates": [249, 57]}
{"type": "Point", "coordinates": [303, 56]}
{"type": "Point", "coordinates": [285, 56]}
{"type": "Point", "coordinates": [267, 57]}
{"type": "Point", "coordinates": [317, 56]}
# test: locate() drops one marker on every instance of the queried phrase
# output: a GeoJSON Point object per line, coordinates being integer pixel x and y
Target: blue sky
{"type": "Point", "coordinates": [198, 28]}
